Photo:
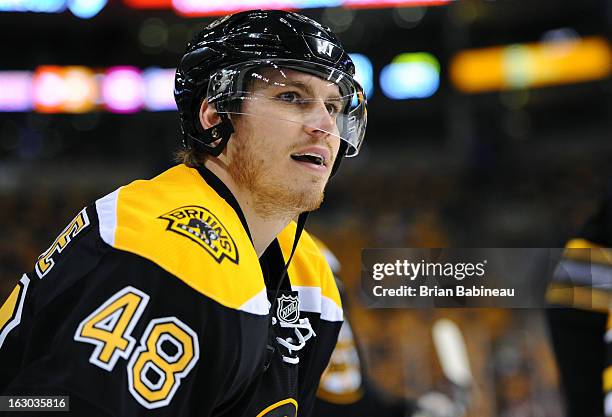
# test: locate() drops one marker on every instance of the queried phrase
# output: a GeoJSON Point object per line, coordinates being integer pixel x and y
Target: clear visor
{"type": "Point", "coordinates": [316, 97]}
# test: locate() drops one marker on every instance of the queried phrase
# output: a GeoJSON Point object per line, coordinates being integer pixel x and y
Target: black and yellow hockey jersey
{"type": "Point", "coordinates": [153, 302]}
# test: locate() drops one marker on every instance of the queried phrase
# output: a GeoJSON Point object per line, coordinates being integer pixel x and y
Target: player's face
{"type": "Point", "coordinates": [283, 150]}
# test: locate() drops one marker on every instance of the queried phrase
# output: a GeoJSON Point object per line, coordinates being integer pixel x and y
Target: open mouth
{"type": "Point", "coordinates": [310, 158]}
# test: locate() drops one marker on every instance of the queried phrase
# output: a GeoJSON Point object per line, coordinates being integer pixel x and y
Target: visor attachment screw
{"type": "Point", "coordinates": [215, 133]}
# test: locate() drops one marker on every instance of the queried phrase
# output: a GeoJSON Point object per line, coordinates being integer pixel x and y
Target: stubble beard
{"type": "Point", "coordinates": [271, 198]}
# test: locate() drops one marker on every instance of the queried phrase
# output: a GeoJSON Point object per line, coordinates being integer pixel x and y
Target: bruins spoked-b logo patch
{"type": "Point", "coordinates": [288, 309]}
{"type": "Point", "coordinates": [204, 228]}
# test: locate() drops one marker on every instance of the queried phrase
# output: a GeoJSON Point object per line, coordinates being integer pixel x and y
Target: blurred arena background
{"type": "Point", "coordinates": [489, 126]}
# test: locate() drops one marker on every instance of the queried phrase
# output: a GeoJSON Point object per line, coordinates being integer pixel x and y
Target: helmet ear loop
{"type": "Point", "coordinates": [219, 134]}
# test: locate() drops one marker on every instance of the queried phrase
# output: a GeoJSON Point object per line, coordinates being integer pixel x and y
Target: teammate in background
{"type": "Point", "coordinates": [582, 332]}
{"type": "Point", "coordinates": [346, 388]}
{"type": "Point", "coordinates": [194, 293]}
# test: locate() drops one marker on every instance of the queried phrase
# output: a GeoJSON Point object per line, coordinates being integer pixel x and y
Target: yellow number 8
{"type": "Point", "coordinates": [168, 351]}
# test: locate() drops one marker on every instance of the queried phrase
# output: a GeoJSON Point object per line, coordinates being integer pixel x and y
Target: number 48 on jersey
{"type": "Point", "coordinates": [167, 352]}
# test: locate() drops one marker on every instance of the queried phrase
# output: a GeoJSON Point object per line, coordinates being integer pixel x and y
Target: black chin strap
{"type": "Point", "coordinates": [301, 223]}
{"type": "Point", "coordinates": [339, 158]}
{"type": "Point", "coordinates": [270, 348]}
{"type": "Point", "coordinates": [220, 132]}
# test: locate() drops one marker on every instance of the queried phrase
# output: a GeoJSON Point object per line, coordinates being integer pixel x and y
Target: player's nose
{"type": "Point", "coordinates": [320, 122]}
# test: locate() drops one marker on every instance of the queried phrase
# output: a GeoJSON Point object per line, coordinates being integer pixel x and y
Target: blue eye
{"type": "Point", "coordinates": [289, 97]}
{"type": "Point", "coordinates": [333, 108]}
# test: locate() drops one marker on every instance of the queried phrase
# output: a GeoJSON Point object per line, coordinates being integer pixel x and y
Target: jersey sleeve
{"type": "Point", "coordinates": [73, 253]}
{"type": "Point", "coordinates": [118, 334]}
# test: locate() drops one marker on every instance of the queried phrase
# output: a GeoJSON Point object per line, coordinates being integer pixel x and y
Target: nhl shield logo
{"type": "Point", "coordinates": [288, 309]}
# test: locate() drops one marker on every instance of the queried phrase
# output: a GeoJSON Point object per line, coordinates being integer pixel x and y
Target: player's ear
{"type": "Point", "coordinates": [208, 115]}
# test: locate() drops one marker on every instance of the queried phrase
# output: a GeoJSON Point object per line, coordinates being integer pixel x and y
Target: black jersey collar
{"type": "Point", "coordinates": [225, 193]}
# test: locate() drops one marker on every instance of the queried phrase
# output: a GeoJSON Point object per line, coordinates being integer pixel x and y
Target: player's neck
{"type": "Point", "coordinates": [265, 220]}
{"type": "Point", "coordinates": [263, 228]}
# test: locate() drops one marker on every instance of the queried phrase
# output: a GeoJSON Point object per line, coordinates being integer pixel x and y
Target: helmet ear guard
{"type": "Point", "coordinates": [219, 133]}
{"type": "Point", "coordinates": [202, 139]}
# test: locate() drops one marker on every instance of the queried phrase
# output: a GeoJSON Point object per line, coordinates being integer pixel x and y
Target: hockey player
{"type": "Point", "coordinates": [194, 293]}
{"type": "Point", "coordinates": [582, 331]}
{"type": "Point", "coordinates": [347, 389]}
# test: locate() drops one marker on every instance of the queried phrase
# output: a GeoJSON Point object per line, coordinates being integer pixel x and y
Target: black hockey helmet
{"type": "Point", "coordinates": [222, 57]}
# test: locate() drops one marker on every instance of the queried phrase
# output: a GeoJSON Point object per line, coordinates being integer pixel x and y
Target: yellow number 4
{"type": "Point", "coordinates": [110, 326]}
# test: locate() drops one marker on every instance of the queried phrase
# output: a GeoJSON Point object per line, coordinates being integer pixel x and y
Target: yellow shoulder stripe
{"type": "Point", "coordinates": [311, 275]}
{"type": "Point", "coordinates": [597, 253]}
{"type": "Point", "coordinates": [585, 298]}
{"type": "Point", "coordinates": [177, 221]}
